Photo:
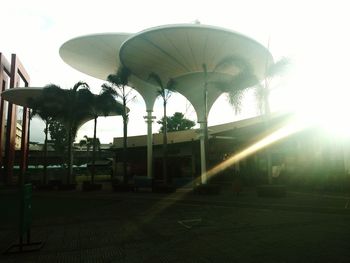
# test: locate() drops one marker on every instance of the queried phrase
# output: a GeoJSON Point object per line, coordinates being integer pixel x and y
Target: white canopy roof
{"type": "Point", "coordinates": [171, 51]}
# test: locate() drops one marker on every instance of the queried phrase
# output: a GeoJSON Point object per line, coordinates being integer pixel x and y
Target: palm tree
{"type": "Point", "coordinates": [103, 103]}
{"type": "Point", "coordinates": [263, 92]}
{"type": "Point", "coordinates": [70, 107]}
{"type": "Point", "coordinates": [117, 87]}
{"type": "Point", "coordinates": [246, 79]}
{"type": "Point", "coordinates": [276, 69]}
{"type": "Point", "coordinates": [165, 93]}
{"type": "Point", "coordinates": [39, 109]}
{"type": "Point", "coordinates": [78, 108]}
{"type": "Point", "coordinates": [237, 85]}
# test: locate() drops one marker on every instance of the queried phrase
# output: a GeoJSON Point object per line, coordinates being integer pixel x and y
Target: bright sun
{"type": "Point", "coordinates": [327, 108]}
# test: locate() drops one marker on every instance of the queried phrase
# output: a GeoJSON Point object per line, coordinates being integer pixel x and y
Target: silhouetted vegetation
{"type": "Point", "coordinates": [117, 87]}
{"type": "Point", "coordinates": [177, 122]}
{"type": "Point", "coordinates": [165, 92]}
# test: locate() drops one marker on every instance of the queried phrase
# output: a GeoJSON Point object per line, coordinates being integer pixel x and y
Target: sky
{"type": "Point", "coordinates": [312, 34]}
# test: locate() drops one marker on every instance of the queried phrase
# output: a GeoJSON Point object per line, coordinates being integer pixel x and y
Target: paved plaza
{"type": "Point", "coordinates": [181, 227]}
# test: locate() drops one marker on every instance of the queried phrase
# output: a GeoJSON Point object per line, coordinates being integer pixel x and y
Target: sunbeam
{"type": "Point", "coordinates": [290, 128]}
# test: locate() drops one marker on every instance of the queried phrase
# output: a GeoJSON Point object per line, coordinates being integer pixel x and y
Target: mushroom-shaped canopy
{"type": "Point", "coordinates": [97, 55]}
{"type": "Point", "coordinates": [183, 51]}
{"type": "Point", "coordinates": [171, 51]}
{"type": "Point", "coordinates": [23, 96]}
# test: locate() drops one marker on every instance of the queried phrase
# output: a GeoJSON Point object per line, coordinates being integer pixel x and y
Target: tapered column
{"type": "Point", "coordinates": [203, 153]}
{"type": "Point", "coordinates": [149, 120]}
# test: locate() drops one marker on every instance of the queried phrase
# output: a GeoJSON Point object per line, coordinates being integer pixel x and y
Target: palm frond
{"type": "Point", "coordinates": [278, 68]}
{"type": "Point", "coordinates": [243, 80]}
{"type": "Point", "coordinates": [171, 85]}
{"type": "Point", "coordinates": [80, 84]}
{"type": "Point", "coordinates": [133, 98]}
{"type": "Point", "coordinates": [114, 79]}
{"type": "Point", "coordinates": [235, 99]}
{"type": "Point", "coordinates": [155, 78]}
{"type": "Point", "coordinates": [106, 103]}
{"type": "Point", "coordinates": [106, 88]}
{"type": "Point", "coordinates": [161, 92]}
{"type": "Point", "coordinates": [235, 61]}
{"type": "Point", "coordinates": [123, 74]}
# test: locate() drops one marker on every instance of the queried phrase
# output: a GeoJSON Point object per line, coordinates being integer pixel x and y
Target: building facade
{"type": "Point", "coordinates": [307, 158]}
{"type": "Point", "coordinates": [14, 120]}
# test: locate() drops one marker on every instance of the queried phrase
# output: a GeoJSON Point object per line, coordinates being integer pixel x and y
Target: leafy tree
{"type": "Point", "coordinates": [177, 122]}
{"type": "Point", "coordinates": [84, 143]}
{"type": "Point", "coordinates": [88, 142]}
{"type": "Point", "coordinates": [246, 79]}
{"type": "Point", "coordinates": [58, 134]}
{"type": "Point", "coordinates": [117, 87]}
{"type": "Point", "coordinates": [103, 103]}
{"type": "Point", "coordinates": [236, 86]}
{"type": "Point", "coordinates": [263, 92]}
{"type": "Point", "coordinates": [165, 92]}
{"type": "Point", "coordinates": [278, 68]}
{"type": "Point", "coordinates": [71, 108]}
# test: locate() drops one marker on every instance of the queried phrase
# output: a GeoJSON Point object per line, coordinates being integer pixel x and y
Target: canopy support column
{"type": "Point", "coordinates": [203, 153]}
{"type": "Point", "coordinates": [149, 120]}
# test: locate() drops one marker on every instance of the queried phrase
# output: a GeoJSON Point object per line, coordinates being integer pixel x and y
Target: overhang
{"type": "Point", "coordinates": [172, 51]}
{"type": "Point", "coordinates": [22, 96]}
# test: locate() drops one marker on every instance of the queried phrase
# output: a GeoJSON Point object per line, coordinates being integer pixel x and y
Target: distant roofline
{"type": "Point", "coordinates": [192, 134]}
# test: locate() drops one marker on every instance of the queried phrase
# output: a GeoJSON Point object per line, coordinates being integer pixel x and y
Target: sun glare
{"type": "Point", "coordinates": [293, 126]}
{"type": "Point", "coordinates": [326, 109]}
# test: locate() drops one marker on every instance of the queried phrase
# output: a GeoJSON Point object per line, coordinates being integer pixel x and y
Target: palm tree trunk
{"type": "Point", "coordinates": [165, 144]}
{"type": "Point", "coordinates": [70, 156]}
{"type": "Point", "coordinates": [93, 152]}
{"type": "Point", "coordinates": [267, 112]}
{"type": "Point", "coordinates": [125, 142]}
{"type": "Point", "coordinates": [45, 152]}
{"type": "Point", "coordinates": [206, 137]}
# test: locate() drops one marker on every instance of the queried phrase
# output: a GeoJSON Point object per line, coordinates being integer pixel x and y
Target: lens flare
{"type": "Point", "coordinates": [290, 128]}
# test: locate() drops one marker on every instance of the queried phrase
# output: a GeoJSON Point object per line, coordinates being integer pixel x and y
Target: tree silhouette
{"type": "Point", "coordinates": [177, 122]}
{"type": "Point", "coordinates": [246, 79]}
{"type": "Point", "coordinates": [117, 87]}
{"type": "Point", "coordinates": [71, 107]}
{"type": "Point", "coordinates": [165, 92]}
{"type": "Point", "coordinates": [40, 109]}
{"type": "Point", "coordinates": [104, 103]}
